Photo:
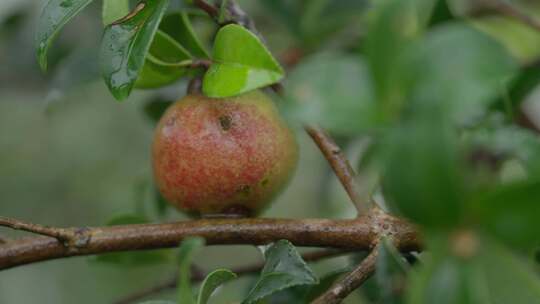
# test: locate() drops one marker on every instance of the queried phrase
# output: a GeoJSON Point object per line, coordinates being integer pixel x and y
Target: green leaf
{"type": "Point", "coordinates": [510, 212]}
{"type": "Point", "coordinates": [224, 15]}
{"type": "Point", "coordinates": [520, 88]}
{"type": "Point", "coordinates": [113, 10]}
{"type": "Point", "coordinates": [178, 26]}
{"type": "Point", "coordinates": [241, 63]}
{"type": "Point", "coordinates": [125, 45]}
{"type": "Point", "coordinates": [157, 302]}
{"type": "Point", "coordinates": [166, 62]}
{"type": "Point", "coordinates": [509, 279]}
{"type": "Point", "coordinates": [465, 84]}
{"type": "Point", "coordinates": [185, 255]}
{"type": "Point", "coordinates": [212, 281]}
{"type": "Point", "coordinates": [394, 26]}
{"type": "Point", "coordinates": [492, 276]}
{"type": "Point", "coordinates": [441, 13]}
{"type": "Point", "coordinates": [333, 90]}
{"type": "Point", "coordinates": [423, 179]}
{"type": "Point", "coordinates": [54, 16]}
{"type": "Point", "coordinates": [284, 268]}
{"type": "Point", "coordinates": [443, 278]}
{"type": "Point", "coordinates": [286, 13]}
{"type": "Point", "coordinates": [391, 273]}
{"type": "Point", "coordinates": [522, 40]}
{"type": "Point", "coordinates": [133, 258]}
{"type": "Point", "coordinates": [337, 15]}
{"type": "Point", "coordinates": [449, 280]}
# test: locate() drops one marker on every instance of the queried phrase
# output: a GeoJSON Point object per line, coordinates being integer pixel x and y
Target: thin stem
{"type": "Point", "coordinates": [358, 234]}
{"type": "Point", "coordinates": [341, 289]}
{"type": "Point", "coordinates": [210, 9]}
{"type": "Point", "coordinates": [199, 276]}
{"type": "Point", "coordinates": [341, 166]}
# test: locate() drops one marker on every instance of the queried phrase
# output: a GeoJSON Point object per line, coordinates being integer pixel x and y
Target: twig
{"type": "Point", "coordinates": [211, 10]}
{"type": "Point", "coordinates": [194, 86]}
{"type": "Point", "coordinates": [3, 240]}
{"type": "Point", "coordinates": [341, 289]}
{"type": "Point", "coordinates": [69, 237]}
{"type": "Point", "coordinates": [506, 9]}
{"type": "Point", "coordinates": [198, 277]}
{"type": "Point", "coordinates": [359, 234]}
{"type": "Point", "coordinates": [340, 165]}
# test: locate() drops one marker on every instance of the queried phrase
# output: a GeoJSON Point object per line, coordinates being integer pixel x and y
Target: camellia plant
{"type": "Point", "coordinates": [447, 190]}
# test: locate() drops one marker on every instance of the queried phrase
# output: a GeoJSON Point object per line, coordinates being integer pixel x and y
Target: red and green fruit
{"type": "Point", "coordinates": [223, 156]}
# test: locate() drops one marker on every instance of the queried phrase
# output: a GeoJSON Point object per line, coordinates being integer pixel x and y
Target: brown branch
{"type": "Point", "coordinates": [504, 8]}
{"type": "Point", "coordinates": [199, 276]}
{"type": "Point", "coordinates": [341, 289]}
{"type": "Point", "coordinates": [69, 237]}
{"type": "Point", "coordinates": [359, 234]}
{"type": "Point", "coordinates": [341, 166]}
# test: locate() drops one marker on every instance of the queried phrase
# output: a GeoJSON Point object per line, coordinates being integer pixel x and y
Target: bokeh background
{"type": "Point", "coordinates": [70, 155]}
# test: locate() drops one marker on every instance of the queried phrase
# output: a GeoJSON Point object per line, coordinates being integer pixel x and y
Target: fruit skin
{"type": "Point", "coordinates": [223, 156]}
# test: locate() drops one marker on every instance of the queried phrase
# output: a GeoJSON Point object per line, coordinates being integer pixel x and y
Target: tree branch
{"type": "Point", "coordinates": [341, 289]}
{"type": "Point", "coordinates": [359, 234]}
{"type": "Point", "coordinates": [199, 276]}
{"type": "Point", "coordinates": [341, 166]}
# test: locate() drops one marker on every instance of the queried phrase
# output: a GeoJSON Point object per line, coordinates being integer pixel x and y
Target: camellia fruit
{"type": "Point", "coordinates": [228, 156]}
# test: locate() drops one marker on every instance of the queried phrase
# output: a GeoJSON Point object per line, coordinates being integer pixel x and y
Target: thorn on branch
{"type": "Point", "coordinates": [72, 238]}
{"type": "Point", "coordinates": [342, 288]}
